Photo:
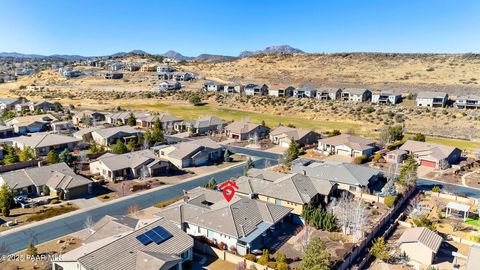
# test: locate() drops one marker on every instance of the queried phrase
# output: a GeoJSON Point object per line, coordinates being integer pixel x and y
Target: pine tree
{"type": "Point", "coordinates": [148, 137]}
{"type": "Point", "coordinates": [248, 165]}
{"type": "Point", "coordinates": [119, 147]}
{"type": "Point", "coordinates": [6, 197]}
{"type": "Point", "coordinates": [131, 145]}
{"type": "Point", "coordinates": [316, 256]}
{"type": "Point", "coordinates": [66, 156]}
{"type": "Point", "coordinates": [131, 121]}
{"type": "Point", "coordinates": [11, 157]}
{"type": "Point", "coordinates": [157, 134]}
{"type": "Point", "coordinates": [380, 250]}
{"type": "Point", "coordinates": [408, 172]}
{"type": "Point", "coordinates": [25, 154]}
{"type": "Point", "coordinates": [292, 152]}
{"type": "Point", "coordinates": [52, 157]}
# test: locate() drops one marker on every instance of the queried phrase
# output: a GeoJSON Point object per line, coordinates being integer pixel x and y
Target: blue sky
{"type": "Point", "coordinates": [191, 27]}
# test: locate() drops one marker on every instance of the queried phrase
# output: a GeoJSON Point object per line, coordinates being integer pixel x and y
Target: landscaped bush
{"type": "Point", "coordinates": [377, 157]}
{"type": "Point", "coordinates": [105, 197]}
{"type": "Point", "coordinates": [51, 212]}
{"type": "Point", "coordinates": [361, 159]}
{"type": "Point", "coordinates": [474, 237]}
{"type": "Point", "coordinates": [250, 257]}
{"type": "Point", "coordinates": [272, 265]}
{"type": "Point", "coordinates": [436, 189]}
{"type": "Point", "coordinates": [282, 266]}
{"type": "Point", "coordinates": [54, 201]}
{"type": "Point", "coordinates": [390, 201]}
{"type": "Point", "coordinates": [424, 222]}
{"type": "Point", "coordinates": [168, 202]}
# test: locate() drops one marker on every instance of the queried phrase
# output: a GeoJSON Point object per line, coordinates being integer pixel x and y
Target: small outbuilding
{"type": "Point", "coordinates": [420, 244]}
{"type": "Point", "coordinates": [458, 208]}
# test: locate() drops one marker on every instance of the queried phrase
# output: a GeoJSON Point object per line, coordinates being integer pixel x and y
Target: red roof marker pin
{"type": "Point", "coordinates": [228, 189]}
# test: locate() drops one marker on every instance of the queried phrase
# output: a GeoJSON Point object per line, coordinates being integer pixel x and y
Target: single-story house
{"type": "Point", "coordinates": [432, 99]}
{"type": "Point", "coordinates": [347, 176]}
{"type": "Point", "coordinates": [57, 177]}
{"type": "Point", "coordinates": [242, 131]}
{"type": "Point", "coordinates": [108, 136]}
{"type": "Point", "coordinates": [62, 126]}
{"type": "Point", "coordinates": [255, 90]}
{"type": "Point", "coordinates": [356, 94]}
{"type": "Point", "coordinates": [41, 144]}
{"type": "Point", "coordinates": [169, 85]}
{"type": "Point", "coordinates": [420, 244]}
{"type": "Point", "coordinates": [283, 136]}
{"type": "Point", "coordinates": [139, 164]}
{"type": "Point", "coordinates": [305, 91]}
{"type": "Point", "coordinates": [31, 123]}
{"type": "Point", "coordinates": [125, 243]}
{"type": "Point", "coordinates": [386, 98]}
{"type": "Point", "coordinates": [212, 86]}
{"type": "Point", "coordinates": [291, 190]}
{"type": "Point", "coordinates": [280, 91]}
{"type": "Point", "coordinates": [468, 102]}
{"type": "Point", "coordinates": [88, 117]}
{"type": "Point", "coordinates": [192, 153]}
{"type": "Point", "coordinates": [85, 134]}
{"type": "Point", "coordinates": [167, 121]}
{"type": "Point", "coordinates": [242, 223]}
{"type": "Point", "coordinates": [42, 106]}
{"type": "Point", "coordinates": [121, 117]}
{"type": "Point", "coordinates": [202, 125]}
{"type": "Point", "coordinates": [329, 93]}
{"type": "Point", "coordinates": [432, 154]}
{"type": "Point", "coordinates": [346, 145]}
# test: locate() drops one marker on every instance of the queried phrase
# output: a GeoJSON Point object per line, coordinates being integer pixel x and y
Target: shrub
{"type": "Point", "coordinates": [436, 189]}
{"type": "Point", "coordinates": [5, 212]}
{"type": "Point", "coordinates": [280, 257]}
{"type": "Point", "coordinates": [168, 202]}
{"type": "Point", "coordinates": [252, 267]}
{"type": "Point", "coordinates": [55, 201]}
{"type": "Point", "coordinates": [390, 201]}
{"type": "Point", "coordinates": [250, 257]}
{"type": "Point", "coordinates": [425, 222]}
{"type": "Point", "coordinates": [105, 197]}
{"type": "Point", "coordinates": [272, 265]}
{"type": "Point", "coordinates": [283, 266]}
{"type": "Point", "coordinates": [360, 160]}
{"type": "Point", "coordinates": [377, 157]}
{"type": "Point", "coordinates": [51, 212]}
{"type": "Point", "coordinates": [474, 237]}
{"type": "Point", "coordinates": [31, 249]}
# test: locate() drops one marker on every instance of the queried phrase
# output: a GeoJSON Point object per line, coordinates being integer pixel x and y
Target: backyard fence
{"type": "Point", "coordinates": [19, 165]}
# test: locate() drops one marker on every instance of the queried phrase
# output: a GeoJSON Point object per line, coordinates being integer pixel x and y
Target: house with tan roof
{"type": "Point", "coordinates": [242, 223]}
{"type": "Point", "coordinates": [241, 130]}
{"type": "Point", "coordinates": [420, 244]}
{"type": "Point", "coordinates": [31, 123]}
{"type": "Point", "coordinates": [166, 120]}
{"type": "Point", "coordinates": [108, 136]}
{"type": "Point", "coordinates": [202, 125]}
{"type": "Point", "coordinates": [191, 153]}
{"type": "Point", "coordinates": [346, 145]}
{"type": "Point", "coordinates": [294, 190]}
{"type": "Point", "coordinates": [41, 144]}
{"type": "Point", "coordinates": [57, 177]}
{"type": "Point", "coordinates": [432, 154]}
{"type": "Point", "coordinates": [125, 243]}
{"type": "Point", "coordinates": [138, 164]}
{"type": "Point", "coordinates": [283, 136]}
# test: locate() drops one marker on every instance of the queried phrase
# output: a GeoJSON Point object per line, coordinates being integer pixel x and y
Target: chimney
{"type": "Point", "coordinates": [303, 172]}
{"type": "Point", "coordinates": [183, 226]}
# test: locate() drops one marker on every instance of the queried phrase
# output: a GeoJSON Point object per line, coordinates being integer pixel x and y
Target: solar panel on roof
{"type": "Point", "coordinates": [144, 239]}
{"type": "Point", "coordinates": [162, 232]}
{"type": "Point", "coordinates": [155, 237]}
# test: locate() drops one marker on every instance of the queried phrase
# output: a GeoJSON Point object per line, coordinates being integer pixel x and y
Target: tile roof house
{"type": "Point", "coordinates": [108, 136]}
{"type": "Point", "coordinates": [191, 153]}
{"type": "Point", "coordinates": [468, 102]}
{"type": "Point", "coordinates": [356, 94]}
{"type": "Point", "coordinates": [242, 223]}
{"type": "Point", "coordinates": [346, 145]}
{"type": "Point", "coordinates": [283, 135]}
{"type": "Point", "coordinates": [420, 244]}
{"type": "Point", "coordinates": [57, 177]}
{"type": "Point", "coordinates": [31, 123]}
{"type": "Point", "coordinates": [290, 190]}
{"type": "Point", "coordinates": [41, 144]}
{"type": "Point", "coordinates": [131, 248]}
{"type": "Point", "coordinates": [242, 131]}
{"type": "Point", "coordinates": [432, 154]}
{"type": "Point", "coordinates": [386, 98]}
{"type": "Point", "coordinates": [131, 165]}
{"type": "Point", "coordinates": [432, 99]}
{"type": "Point", "coordinates": [202, 125]}
{"type": "Point", "coordinates": [348, 176]}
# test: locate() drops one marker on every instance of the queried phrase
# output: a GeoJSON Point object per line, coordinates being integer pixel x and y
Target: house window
{"type": "Point", "coordinates": [278, 202]}
{"type": "Point", "coordinates": [352, 188]}
{"type": "Point", "coordinates": [210, 234]}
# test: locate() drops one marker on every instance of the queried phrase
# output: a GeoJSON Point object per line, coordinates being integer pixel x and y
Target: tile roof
{"type": "Point", "coordinates": [109, 132]}
{"type": "Point", "coordinates": [431, 94]}
{"type": "Point", "coordinates": [292, 133]}
{"type": "Point", "coordinates": [37, 176]}
{"type": "Point", "coordinates": [30, 119]}
{"type": "Point", "coordinates": [128, 160]}
{"type": "Point", "coordinates": [428, 151]}
{"type": "Point", "coordinates": [44, 140]}
{"type": "Point", "coordinates": [63, 181]}
{"type": "Point", "coordinates": [423, 236]}
{"type": "Point", "coordinates": [241, 127]}
{"type": "Point", "coordinates": [354, 142]}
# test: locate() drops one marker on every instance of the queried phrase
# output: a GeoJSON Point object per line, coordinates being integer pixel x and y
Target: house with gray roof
{"type": "Point", "coordinates": [150, 244]}
{"type": "Point", "coordinates": [346, 145]}
{"type": "Point", "coordinates": [283, 136]}
{"type": "Point", "coordinates": [211, 86]}
{"type": "Point", "coordinates": [329, 93]}
{"type": "Point", "coordinates": [242, 223]}
{"type": "Point", "coordinates": [242, 131]}
{"type": "Point", "coordinates": [432, 154]}
{"type": "Point", "coordinates": [468, 102]}
{"type": "Point", "coordinates": [42, 143]}
{"type": "Point", "coordinates": [294, 190]}
{"type": "Point", "coordinates": [191, 153]}
{"type": "Point", "coordinates": [6, 131]}
{"type": "Point", "coordinates": [166, 120]}
{"type": "Point", "coordinates": [138, 164]}
{"type": "Point", "coordinates": [88, 117]}
{"type": "Point", "coordinates": [386, 98]}
{"type": "Point", "coordinates": [9, 103]}
{"type": "Point", "coordinates": [280, 90]}
{"type": "Point", "coordinates": [420, 245]}
{"type": "Point", "coordinates": [255, 90]}
{"type": "Point", "coordinates": [108, 136]}
{"type": "Point", "coordinates": [348, 176]}
{"type": "Point", "coordinates": [31, 123]}
{"type": "Point", "coordinates": [167, 85]}
{"type": "Point", "coordinates": [305, 92]}
{"type": "Point", "coordinates": [202, 125]}
{"type": "Point", "coordinates": [356, 94]}
{"type": "Point", "coordinates": [432, 99]}
{"type": "Point", "coordinates": [57, 177]}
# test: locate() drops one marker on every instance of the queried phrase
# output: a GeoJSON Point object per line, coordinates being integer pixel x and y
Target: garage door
{"type": "Point", "coordinates": [343, 152]}
{"type": "Point", "coordinates": [427, 163]}
{"type": "Point", "coordinates": [285, 144]}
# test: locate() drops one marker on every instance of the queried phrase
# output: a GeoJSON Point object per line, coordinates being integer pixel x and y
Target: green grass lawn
{"type": "Point", "coordinates": [474, 222]}
{"type": "Point", "coordinates": [193, 112]}
{"type": "Point", "coordinates": [460, 144]}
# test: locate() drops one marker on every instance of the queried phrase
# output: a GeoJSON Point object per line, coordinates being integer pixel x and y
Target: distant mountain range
{"type": "Point", "coordinates": [170, 54]}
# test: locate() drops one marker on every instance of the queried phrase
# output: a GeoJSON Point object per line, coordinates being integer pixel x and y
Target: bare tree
{"type": "Point", "coordinates": [341, 208]}
{"type": "Point", "coordinates": [385, 138]}
{"type": "Point", "coordinates": [304, 238]}
{"type": "Point", "coordinates": [241, 266]}
{"type": "Point", "coordinates": [358, 218]}
{"type": "Point", "coordinates": [89, 225]}
{"type": "Point", "coordinates": [457, 224]}
{"type": "Point", "coordinates": [132, 210]}
{"type": "Point", "coordinates": [143, 172]}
